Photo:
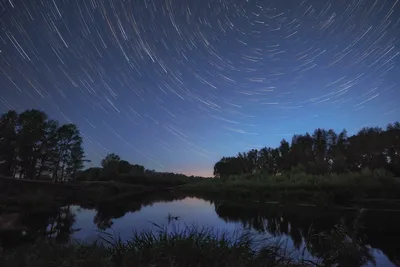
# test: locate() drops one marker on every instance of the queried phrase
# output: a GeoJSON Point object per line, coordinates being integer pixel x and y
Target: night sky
{"type": "Point", "coordinates": [174, 85]}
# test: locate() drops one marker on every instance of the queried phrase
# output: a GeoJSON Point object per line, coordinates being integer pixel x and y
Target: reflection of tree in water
{"type": "Point", "coordinates": [331, 237]}
{"type": "Point", "coordinates": [102, 221]}
{"type": "Point", "coordinates": [61, 226]}
{"type": "Point", "coordinates": [107, 212]}
{"type": "Point", "coordinates": [56, 223]}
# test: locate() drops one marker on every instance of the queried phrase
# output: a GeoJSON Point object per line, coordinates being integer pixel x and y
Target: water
{"type": "Point", "coordinates": [298, 229]}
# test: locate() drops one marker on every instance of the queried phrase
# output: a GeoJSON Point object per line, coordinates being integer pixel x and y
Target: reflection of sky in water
{"type": "Point", "coordinates": [191, 212]}
{"type": "Point", "coordinates": [380, 258]}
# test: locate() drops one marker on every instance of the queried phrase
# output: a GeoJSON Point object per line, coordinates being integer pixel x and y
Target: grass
{"type": "Point", "coordinates": [186, 248]}
{"type": "Point", "coordinates": [330, 189]}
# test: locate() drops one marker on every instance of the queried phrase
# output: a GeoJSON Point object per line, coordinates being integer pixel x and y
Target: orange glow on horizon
{"type": "Point", "coordinates": [201, 173]}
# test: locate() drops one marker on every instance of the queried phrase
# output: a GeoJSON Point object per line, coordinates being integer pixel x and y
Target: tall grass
{"type": "Point", "coordinates": [185, 248]}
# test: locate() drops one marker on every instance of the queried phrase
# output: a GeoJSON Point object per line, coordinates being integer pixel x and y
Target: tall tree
{"type": "Point", "coordinates": [264, 160]}
{"type": "Point", "coordinates": [32, 126]}
{"type": "Point", "coordinates": [331, 148]}
{"type": "Point", "coordinates": [320, 148]}
{"type": "Point", "coordinates": [124, 167]}
{"type": "Point", "coordinates": [392, 146]}
{"type": "Point", "coordinates": [252, 161]}
{"type": "Point", "coordinates": [284, 152]}
{"type": "Point", "coordinates": [48, 149]}
{"type": "Point", "coordinates": [76, 160]}
{"type": "Point", "coordinates": [340, 153]}
{"type": "Point", "coordinates": [302, 150]}
{"type": "Point", "coordinates": [320, 144]}
{"type": "Point", "coordinates": [110, 159]}
{"type": "Point", "coordinates": [8, 143]}
{"type": "Point", "coordinates": [137, 169]}
{"type": "Point", "coordinates": [70, 156]}
{"type": "Point", "coordinates": [228, 166]}
{"type": "Point", "coordinates": [110, 164]}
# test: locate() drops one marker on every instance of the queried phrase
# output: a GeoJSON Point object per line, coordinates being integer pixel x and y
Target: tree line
{"type": "Point", "coordinates": [320, 153]}
{"type": "Point", "coordinates": [111, 167]}
{"type": "Point", "coordinates": [117, 169]}
{"type": "Point", "coordinates": [32, 146]}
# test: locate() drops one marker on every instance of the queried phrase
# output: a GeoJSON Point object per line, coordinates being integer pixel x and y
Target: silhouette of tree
{"type": "Point", "coordinates": [48, 149]}
{"type": "Point", "coordinates": [229, 166]}
{"type": "Point", "coordinates": [392, 144]}
{"type": "Point", "coordinates": [32, 128]}
{"type": "Point", "coordinates": [110, 165]}
{"type": "Point", "coordinates": [124, 166]}
{"type": "Point", "coordinates": [70, 154]}
{"type": "Point", "coordinates": [320, 164]}
{"type": "Point", "coordinates": [76, 160]}
{"type": "Point", "coordinates": [8, 143]}
{"type": "Point", "coordinates": [252, 161]}
{"type": "Point", "coordinates": [265, 160]}
{"type": "Point", "coordinates": [110, 160]}
{"type": "Point", "coordinates": [113, 165]}
{"type": "Point", "coordinates": [137, 170]}
{"type": "Point", "coordinates": [284, 151]}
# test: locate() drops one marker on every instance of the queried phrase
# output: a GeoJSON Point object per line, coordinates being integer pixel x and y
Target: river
{"type": "Point", "coordinates": [305, 232]}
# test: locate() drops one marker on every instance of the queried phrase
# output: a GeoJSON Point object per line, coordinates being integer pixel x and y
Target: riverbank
{"type": "Point", "coordinates": [326, 190]}
{"type": "Point", "coordinates": [351, 189]}
{"type": "Point", "coordinates": [190, 247]}
{"type": "Point", "coordinates": [38, 195]}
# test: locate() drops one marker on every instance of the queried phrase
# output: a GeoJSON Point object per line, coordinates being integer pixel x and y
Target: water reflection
{"type": "Point", "coordinates": [327, 236]}
{"type": "Point", "coordinates": [108, 212]}
{"type": "Point", "coordinates": [60, 225]}
{"type": "Point", "coordinates": [344, 237]}
{"type": "Point", "coordinates": [57, 224]}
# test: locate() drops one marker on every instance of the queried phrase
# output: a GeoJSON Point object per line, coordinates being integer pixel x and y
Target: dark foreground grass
{"type": "Point", "coordinates": [187, 248]}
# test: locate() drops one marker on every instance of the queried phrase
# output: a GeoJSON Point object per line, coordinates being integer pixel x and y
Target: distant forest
{"type": "Point", "coordinates": [32, 146]}
{"type": "Point", "coordinates": [320, 153]}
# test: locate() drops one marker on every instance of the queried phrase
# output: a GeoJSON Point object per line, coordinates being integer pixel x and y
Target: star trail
{"type": "Point", "coordinates": [174, 85]}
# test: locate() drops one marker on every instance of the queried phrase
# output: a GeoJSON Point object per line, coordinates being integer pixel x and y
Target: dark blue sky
{"type": "Point", "coordinates": [175, 85]}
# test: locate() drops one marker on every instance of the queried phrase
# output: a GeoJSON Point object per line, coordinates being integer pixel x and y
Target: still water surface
{"type": "Point", "coordinates": [299, 229]}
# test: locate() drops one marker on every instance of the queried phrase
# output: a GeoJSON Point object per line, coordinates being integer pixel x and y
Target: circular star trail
{"type": "Point", "coordinates": [176, 84]}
